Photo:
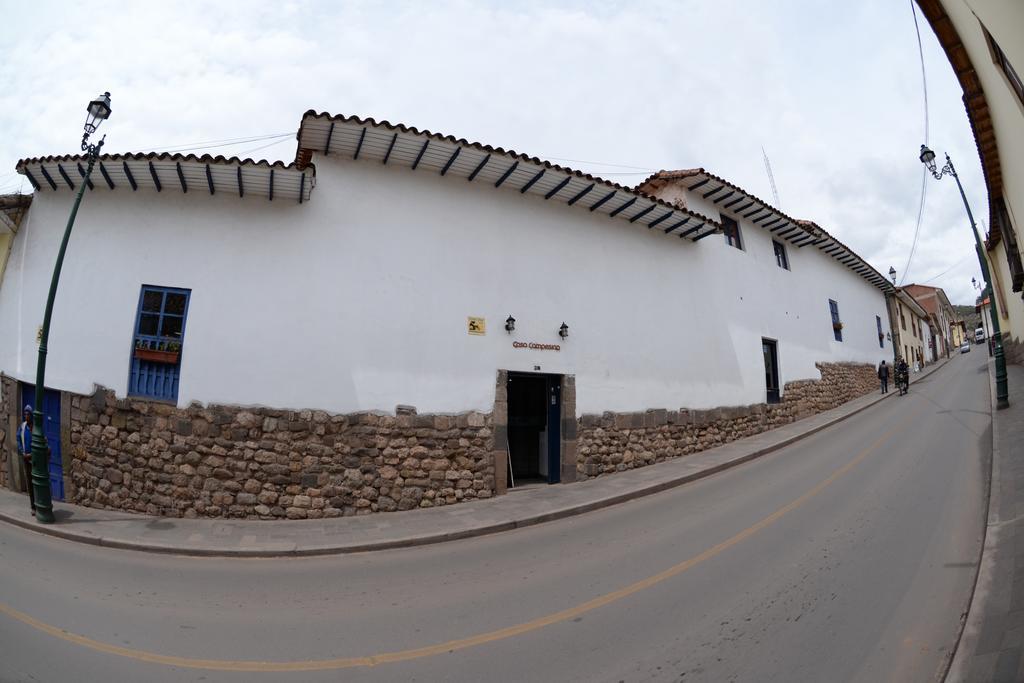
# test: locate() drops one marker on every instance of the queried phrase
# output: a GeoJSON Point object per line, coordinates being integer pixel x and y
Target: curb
{"type": "Point", "coordinates": [442, 536]}
{"type": "Point", "coordinates": [957, 657]}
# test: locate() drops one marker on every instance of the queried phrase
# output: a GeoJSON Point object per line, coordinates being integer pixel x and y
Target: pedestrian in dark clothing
{"type": "Point", "coordinates": [883, 375]}
{"type": "Point", "coordinates": [25, 451]}
{"type": "Point", "coordinates": [902, 376]}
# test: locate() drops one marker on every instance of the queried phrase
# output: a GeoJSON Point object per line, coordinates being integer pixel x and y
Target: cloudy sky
{"type": "Point", "coordinates": [831, 90]}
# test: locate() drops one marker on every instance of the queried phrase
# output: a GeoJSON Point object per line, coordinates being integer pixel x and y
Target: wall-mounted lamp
{"type": "Point", "coordinates": [892, 274]}
{"type": "Point", "coordinates": [888, 335]}
{"type": "Point", "coordinates": [510, 324]}
{"type": "Point", "coordinates": [563, 331]}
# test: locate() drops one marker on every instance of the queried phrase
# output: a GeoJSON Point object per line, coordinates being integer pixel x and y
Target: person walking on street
{"type": "Point", "coordinates": [25, 451]}
{"type": "Point", "coordinates": [883, 376]}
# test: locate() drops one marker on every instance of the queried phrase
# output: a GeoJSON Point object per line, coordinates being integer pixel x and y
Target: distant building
{"type": "Point", "coordinates": [982, 39]}
{"type": "Point", "coordinates": [911, 329]}
{"type": "Point", "coordinates": [404, 319]}
{"type": "Point", "coordinates": [12, 209]}
{"type": "Point", "coordinates": [984, 308]}
{"type": "Point", "coordinates": [960, 333]}
{"type": "Point", "coordinates": [940, 317]}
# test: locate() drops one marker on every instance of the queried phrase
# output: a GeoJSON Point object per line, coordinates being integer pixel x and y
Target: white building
{"type": "Point", "coordinates": [378, 271]}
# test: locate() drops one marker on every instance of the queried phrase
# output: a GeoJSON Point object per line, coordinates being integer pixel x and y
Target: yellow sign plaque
{"type": "Point", "coordinates": [476, 326]}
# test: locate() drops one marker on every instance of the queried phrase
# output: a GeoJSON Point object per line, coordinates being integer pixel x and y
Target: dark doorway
{"type": "Point", "coordinates": [770, 350]}
{"type": "Point", "coordinates": [534, 428]}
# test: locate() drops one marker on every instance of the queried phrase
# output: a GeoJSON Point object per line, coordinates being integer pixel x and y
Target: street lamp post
{"type": "Point", "coordinates": [894, 315]}
{"type": "Point", "coordinates": [98, 111]}
{"type": "Point", "coordinates": [928, 159]}
{"type": "Point", "coordinates": [986, 325]}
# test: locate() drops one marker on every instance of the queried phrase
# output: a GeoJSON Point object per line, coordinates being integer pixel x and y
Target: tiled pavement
{"type": "Point", "coordinates": [520, 508]}
{"type": "Point", "coordinates": [992, 646]}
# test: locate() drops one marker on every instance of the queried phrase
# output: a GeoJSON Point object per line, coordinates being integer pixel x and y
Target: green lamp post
{"type": "Point", "coordinates": [1002, 393]}
{"type": "Point", "coordinates": [98, 112]}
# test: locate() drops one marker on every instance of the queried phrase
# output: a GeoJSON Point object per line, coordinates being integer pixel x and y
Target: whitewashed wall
{"type": "Point", "coordinates": [357, 300]}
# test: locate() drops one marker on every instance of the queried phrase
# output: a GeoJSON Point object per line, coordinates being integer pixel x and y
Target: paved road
{"type": "Point", "coordinates": [847, 556]}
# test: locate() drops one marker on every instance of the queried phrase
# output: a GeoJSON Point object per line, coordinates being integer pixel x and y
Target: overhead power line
{"type": "Point", "coordinates": [924, 171]}
{"type": "Point", "coordinates": [209, 144]}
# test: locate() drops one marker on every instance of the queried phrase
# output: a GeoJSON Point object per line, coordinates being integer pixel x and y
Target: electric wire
{"type": "Point", "coordinates": [597, 163]}
{"type": "Point", "coordinates": [924, 169]}
{"type": "Point", "coordinates": [936, 277]}
{"type": "Point", "coordinates": [209, 144]}
{"type": "Point", "coordinates": [255, 149]}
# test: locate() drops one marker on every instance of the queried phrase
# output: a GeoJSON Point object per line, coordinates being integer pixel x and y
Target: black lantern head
{"type": "Point", "coordinates": [98, 112]}
{"type": "Point", "coordinates": [927, 158]}
{"type": "Point", "coordinates": [563, 331]}
{"type": "Point", "coordinates": [892, 274]}
{"type": "Point", "coordinates": [510, 324]}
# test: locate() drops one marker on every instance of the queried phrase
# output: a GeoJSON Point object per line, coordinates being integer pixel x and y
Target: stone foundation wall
{"type": "Point", "coordinates": [1013, 350]}
{"type": "Point", "coordinates": [259, 463]}
{"type": "Point", "coordinates": [8, 430]}
{"type": "Point", "coordinates": [615, 442]}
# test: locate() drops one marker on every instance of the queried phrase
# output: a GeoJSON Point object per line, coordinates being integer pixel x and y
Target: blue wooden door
{"type": "Point", "coordinates": [51, 430]}
{"type": "Point", "coordinates": [554, 429]}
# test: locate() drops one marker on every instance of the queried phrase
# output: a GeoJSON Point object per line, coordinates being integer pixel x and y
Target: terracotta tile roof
{"type": "Point", "coordinates": [159, 156]}
{"type": "Point", "coordinates": [360, 137]}
{"type": "Point", "coordinates": [976, 105]}
{"type": "Point", "coordinates": [798, 232]}
{"type": "Point", "coordinates": [164, 169]}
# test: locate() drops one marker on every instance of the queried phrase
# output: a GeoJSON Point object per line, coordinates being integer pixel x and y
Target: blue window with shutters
{"type": "Point", "coordinates": [158, 342]}
{"type": "Point", "coordinates": [837, 325]}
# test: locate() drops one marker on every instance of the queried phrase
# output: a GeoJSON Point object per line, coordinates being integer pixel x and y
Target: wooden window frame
{"type": "Point", "coordinates": [837, 325]}
{"type": "Point", "coordinates": [781, 256]}
{"type": "Point", "coordinates": [150, 379]}
{"type": "Point", "coordinates": [732, 237]}
{"type": "Point", "coordinates": [1000, 59]}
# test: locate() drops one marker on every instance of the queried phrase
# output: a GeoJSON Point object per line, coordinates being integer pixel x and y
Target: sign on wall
{"type": "Point", "coordinates": [476, 326]}
{"type": "Point", "coordinates": [536, 346]}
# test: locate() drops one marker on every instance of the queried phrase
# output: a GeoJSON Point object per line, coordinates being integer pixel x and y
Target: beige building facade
{"type": "Point", "coordinates": [910, 328]}
{"type": "Point", "coordinates": [941, 317]}
{"type": "Point", "coordinates": [982, 39]}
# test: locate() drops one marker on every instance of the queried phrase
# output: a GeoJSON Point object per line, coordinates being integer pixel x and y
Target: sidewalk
{"type": "Point", "coordinates": [993, 638]}
{"type": "Point", "coordinates": [248, 538]}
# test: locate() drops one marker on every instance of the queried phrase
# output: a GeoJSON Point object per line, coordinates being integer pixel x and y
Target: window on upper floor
{"type": "Point", "coordinates": [903, 320]}
{"type": "Point", "coordinates": [780, 254]}
{"type": "Point", "coordinates": [881, 337]}
{"type": "Point", "coordinates": [999, 57]}
{"type": "Point", "coordinates": [837, 325]}
{"type": "Point", "coordinates": [731, 229]}
{"type": "Point", "coordinates": [157, 342]}
{"type": "Point", "coordinates": [1012, 249]}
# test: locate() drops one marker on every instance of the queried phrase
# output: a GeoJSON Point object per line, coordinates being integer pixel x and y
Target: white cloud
{"type": "Point", "coordinates": [830, 90]}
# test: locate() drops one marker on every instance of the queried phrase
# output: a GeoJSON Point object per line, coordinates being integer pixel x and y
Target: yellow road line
{"type": "Point", "coordinates": [461, 643]}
